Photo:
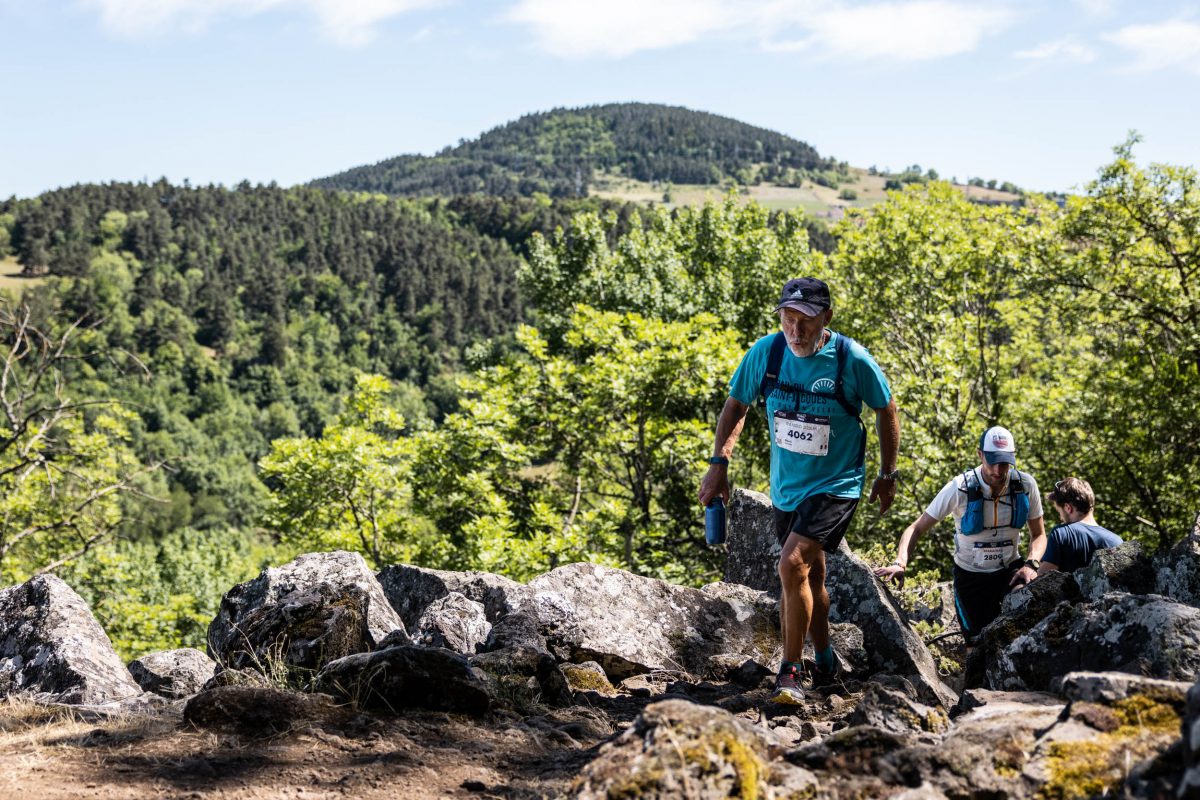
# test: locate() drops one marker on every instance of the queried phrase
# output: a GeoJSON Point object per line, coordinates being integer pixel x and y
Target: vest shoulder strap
{"type": "Point", "coordinates": [770, 378]}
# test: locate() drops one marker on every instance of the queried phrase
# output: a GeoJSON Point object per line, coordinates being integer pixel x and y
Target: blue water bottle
{"type": "Point", "coordinates": [714, 522]}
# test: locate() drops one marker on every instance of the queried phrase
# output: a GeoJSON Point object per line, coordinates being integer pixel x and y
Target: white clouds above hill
{"type": "Point", "coordinates": [347, 22]}
{"type": "Point", "coordinates": [1068, 48]}
{"type": "Point", "coordinates": [1174, 43]}
{"type": "Point", "coordinates": [909, 30]}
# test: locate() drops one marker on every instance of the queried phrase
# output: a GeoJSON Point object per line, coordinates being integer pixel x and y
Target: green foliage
{"type": "Point", "coordinates": [350, 489]}
{"type": "Point", "coordinates": [591, 453]}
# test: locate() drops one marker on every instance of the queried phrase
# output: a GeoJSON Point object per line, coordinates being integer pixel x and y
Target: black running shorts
{"type": "Point", "coordinates": [822, 517]}
{"type": "Point", "coordinates": [977, 596]}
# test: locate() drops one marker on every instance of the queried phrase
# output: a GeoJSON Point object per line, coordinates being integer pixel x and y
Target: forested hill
{"type": "Point", "coordinates": [559, 152]}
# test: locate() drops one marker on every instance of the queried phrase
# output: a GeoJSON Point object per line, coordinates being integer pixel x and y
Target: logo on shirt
{"type": "Point", "coordinates": [823, 385]}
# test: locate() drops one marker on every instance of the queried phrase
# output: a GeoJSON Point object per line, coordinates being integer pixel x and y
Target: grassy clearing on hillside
{"type": "Point", "coordinates": [11, 279]}
{"type": "Point", "coordinates": [817, 201]}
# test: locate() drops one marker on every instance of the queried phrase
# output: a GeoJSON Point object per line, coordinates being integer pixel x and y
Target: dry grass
{"type": "Point", "coordinates": [12, 281]}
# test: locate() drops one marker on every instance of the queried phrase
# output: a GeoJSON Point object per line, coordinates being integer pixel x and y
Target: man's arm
{"type": "Point", "coordinates": [729, 427]}
{"type": "Point", "coordinates": [1037, 549]}
{"type": "Point", "coordinates": [887, 425]}
{"type": "Point", "coordinates": [904, 551]}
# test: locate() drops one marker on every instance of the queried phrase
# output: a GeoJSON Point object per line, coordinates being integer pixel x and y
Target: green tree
{"type": "Point", "coordinates": [349, 489]}
{"type": "Point", "coordinates": [65, 462]}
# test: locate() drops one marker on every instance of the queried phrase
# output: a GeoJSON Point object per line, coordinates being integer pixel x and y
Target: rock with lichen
{"type": "Point", "coordinates": [1020, 610]}
{"type": "Point", "coordinates": [676, 748]}
{"type": "Point", "coordinates": [1124, 568]}
{"type": "Point", "coordinates": [173, 674]}
{"type": "Point", "coordinates": [411, 590]}
{"type": "Point", "coordinates": [338, 570]}
{"type": "Point", "coordinates": [52, 648]}
{"type": "Point", "coordinates": [628, 623]}
{"type": "Point", "coordinates": [455, 622]}
{"type": "Point", "coordinates": [1145, 635]}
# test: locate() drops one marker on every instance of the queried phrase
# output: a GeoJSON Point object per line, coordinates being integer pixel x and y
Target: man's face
{"type": "Point", "coordinates": [802, 331]}
{"type": "Point", "coordinates": [1062, 512]}
{"type": "Point", "coordinates": [994, 475]}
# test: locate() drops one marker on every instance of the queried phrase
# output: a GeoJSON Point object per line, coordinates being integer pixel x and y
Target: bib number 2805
{"type": "Point", "coordinates": [802, 433]}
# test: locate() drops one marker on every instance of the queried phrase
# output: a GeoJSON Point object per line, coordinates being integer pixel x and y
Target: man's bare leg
{"type": "Point", "coordinates": [801, 557]}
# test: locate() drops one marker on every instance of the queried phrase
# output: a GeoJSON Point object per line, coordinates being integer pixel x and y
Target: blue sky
{"type": "Point", "coordinates": [217, 91]}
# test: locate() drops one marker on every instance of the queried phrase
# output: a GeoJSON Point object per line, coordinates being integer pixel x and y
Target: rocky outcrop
{"type": "Point", "coordinates": [338, 570]}
{"type": "Point", "coordinates": [1177, 575]}
{"type": "Point", "coordinates": [676, 748]}
{"type": "Point", "coordinates": [52, 648]}
{"type": "Point", "coordinates": [1124, 568]}
{"type": "Point", "coordinates": [1020, 610]}
{"type": "Point", "coordinates": [892, 647]}
{"type": "Point", "coordinates": [300, 632]}
{"type": "Point", "coordinates": [173, 674]}
{"type": "Point", "coordinates": [454, 622]}
{"type": "Point", "coordinates": [752, 549]}
{"type": "Point", "coordinates": [630, 624]}
{"type": "Point", "coordinates": [890, 709]}
{"type": "Point", "coordinates": [411, 590]}
{"type": "Point", "coordinates": [1144, 635]}
{"type": "Point", "coordinates": [407, 676]}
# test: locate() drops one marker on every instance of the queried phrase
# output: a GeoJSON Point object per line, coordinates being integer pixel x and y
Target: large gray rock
{"type": "Point", "coordinates": [893, 710]}
{"type": "Point", "coordinates": [631, 624]}
{"type": "Point", "coordinates": [407, 676]}
{"type": "Point", "coordinates": [339, 570]}
{"type": "Point", "coordinates": [51, 647]}
{"type": "Point", "coordinates": [679, 749]}
{"type": "Point", "coordinates": [857, 597]}
{"type": "Point", "coordinates": [1178, 573]}
{"type": "Point", "coordinates": [1124, 568]}
{"type": "Point", "coordinates": [300, 632]}
{"type": "Point", "coordinates": [410, 590]}
{"type": "Point", "coordinates": [173, 673]}
{"type": "Point", "coordinates": [1020, 610]}
{"type": "Point", "coordinates": [1112, 687]}
{"type": "Point", "coordinates": [454, 622]}
{"type": "Point", "coordinates": [752, 551]}
{"type": "Point", "coordinates": [1144, 635]}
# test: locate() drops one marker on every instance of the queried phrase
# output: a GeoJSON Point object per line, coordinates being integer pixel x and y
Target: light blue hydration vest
{"type": "Point", "coordinates": [1016, 498]}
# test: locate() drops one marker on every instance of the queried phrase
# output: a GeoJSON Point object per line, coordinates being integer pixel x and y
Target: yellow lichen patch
{"type": "Point", "coordinates": [1096, 766]}
{"type": "Point", "coordinates": [712, 752]}
{"type": "Point", "coordinates": [585, 680]}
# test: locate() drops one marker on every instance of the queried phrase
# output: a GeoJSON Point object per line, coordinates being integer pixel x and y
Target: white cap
{"type": "Point", "coordinates": [998, 446]}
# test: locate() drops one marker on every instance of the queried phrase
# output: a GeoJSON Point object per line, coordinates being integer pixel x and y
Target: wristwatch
{"type": "Point", "coordinates": [893, 476]}
{"type": "Point", "coordinates": [719, 460]}
{"type": "Point", "coordinates": [1033, 564]}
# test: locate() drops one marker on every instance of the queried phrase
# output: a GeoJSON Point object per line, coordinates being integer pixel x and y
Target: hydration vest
{"type": "Point", "coordinates": [1018, 501]}
{"type": "Point", "coordinates": [770, 381]}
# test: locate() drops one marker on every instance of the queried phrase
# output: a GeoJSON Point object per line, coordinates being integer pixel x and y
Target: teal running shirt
{"type": "Point", "coordinates": [822, 458]}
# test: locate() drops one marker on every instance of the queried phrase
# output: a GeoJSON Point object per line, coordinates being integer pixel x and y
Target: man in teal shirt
{"type": "Point", "coordinates": [817, 467]}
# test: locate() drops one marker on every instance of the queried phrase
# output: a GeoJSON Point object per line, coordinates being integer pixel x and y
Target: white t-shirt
{"type": "Point", "coordinates": [992, 548]}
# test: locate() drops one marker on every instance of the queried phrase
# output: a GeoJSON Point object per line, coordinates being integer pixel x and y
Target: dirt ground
{"type": "Point", "coordinates": [52, 753]}
{"type": "Point", "coordinates": [413, 755]}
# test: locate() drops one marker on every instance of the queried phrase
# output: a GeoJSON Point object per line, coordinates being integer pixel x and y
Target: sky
{"type": "Point", "coordinates": [220, 91]}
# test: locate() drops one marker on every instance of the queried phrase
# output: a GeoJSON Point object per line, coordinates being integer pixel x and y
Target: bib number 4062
{"type": "Point", "coordinates": [807, 434]}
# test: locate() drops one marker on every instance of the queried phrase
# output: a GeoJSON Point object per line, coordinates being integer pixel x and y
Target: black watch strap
{"type": "Point", "coordinates": [1033, 563]}
{"type": "Point", "coordinates": [719, 460]}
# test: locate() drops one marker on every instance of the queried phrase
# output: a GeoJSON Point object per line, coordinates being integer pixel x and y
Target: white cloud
{"type": "Point", "coordinates": [906, 31]}
{"type": "Point", "coordinates": [1174, 43]}
{"type": "Point", "coordinates": [1097, 8]}
{"type": "Point", "coordinates": [617, 28]}
{"type": "Point", "coordinates": [347, 22]}
{"type": "Point", "coordinates": [909, 30]}
{"type": "Point", "coordinates": [1066, 49]}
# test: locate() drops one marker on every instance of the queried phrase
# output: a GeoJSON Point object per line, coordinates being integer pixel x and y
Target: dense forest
{"type": "Point", "coordinates": [559, 152]}
{"type": "Point", "coordinates": [206, 380]}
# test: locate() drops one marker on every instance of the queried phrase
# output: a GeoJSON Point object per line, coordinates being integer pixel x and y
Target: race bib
{"type": "Point", "coordinates": [992, 556]}
{"type": "Point", "coordinates": [802, 433]}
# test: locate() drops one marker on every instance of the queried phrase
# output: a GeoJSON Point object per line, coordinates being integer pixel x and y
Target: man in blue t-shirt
{"type": "Point", "coordinates": [818, 441]}
{"type": "Point", "coordinates": [1073, 543]}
